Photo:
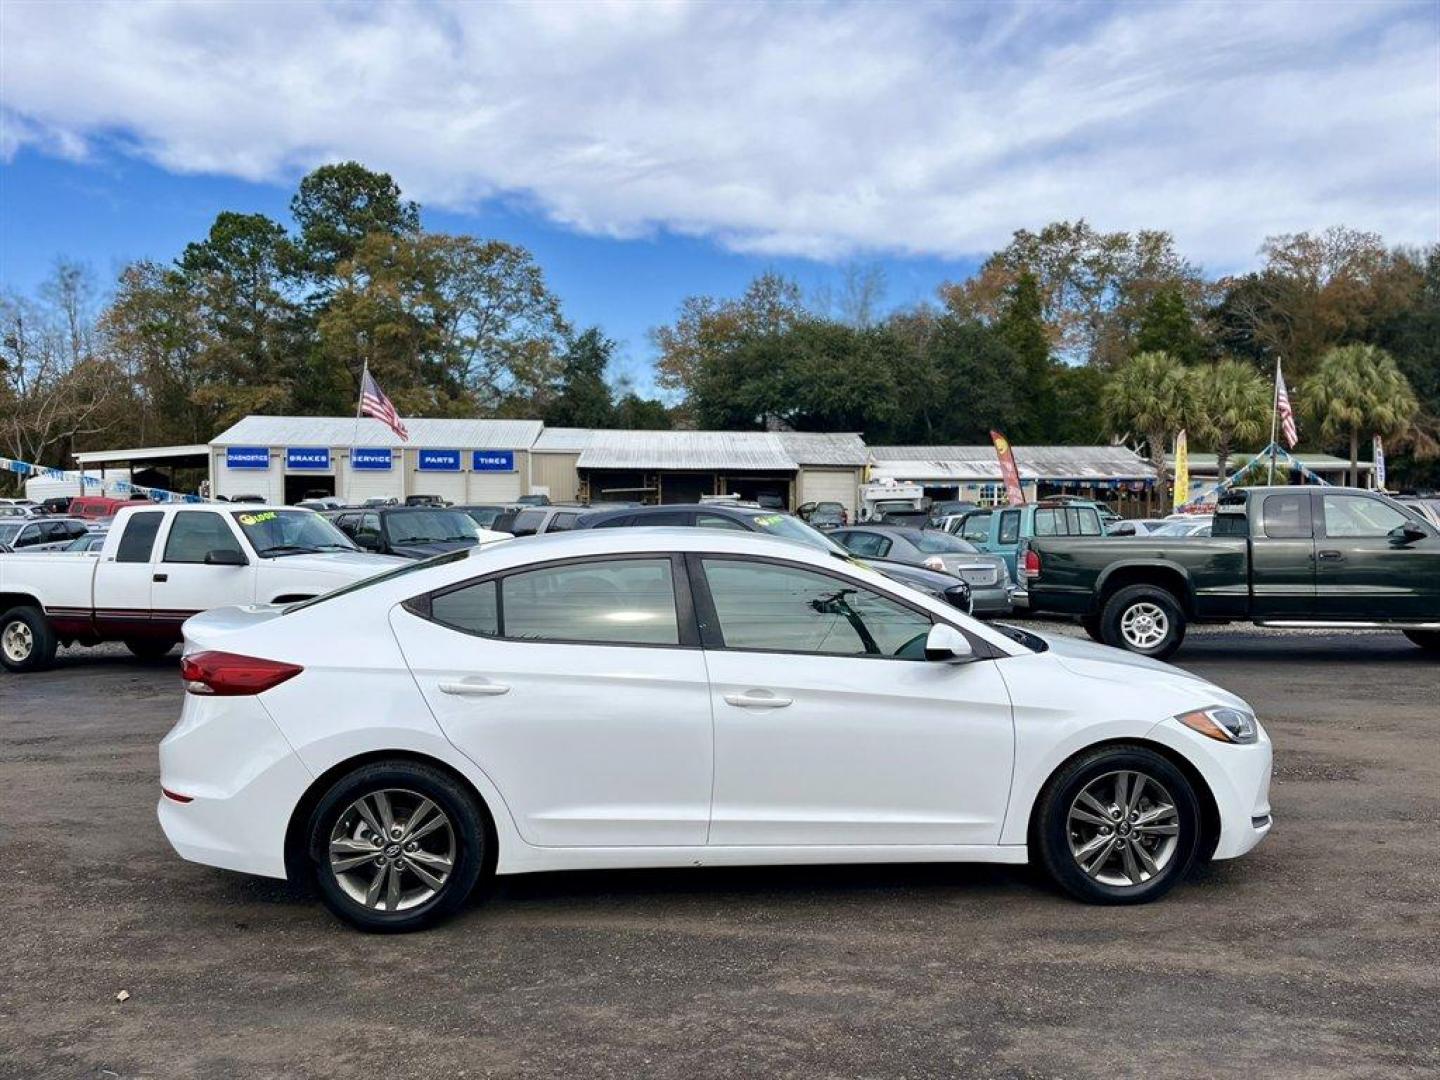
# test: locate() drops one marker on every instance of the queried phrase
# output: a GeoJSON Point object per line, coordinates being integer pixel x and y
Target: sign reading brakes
{"type": "Point", "coordinates": [439, 460]}
{"type": "Point", "coordinates": [247, 457]}
{"type": "Point", "coordinates": [370, 458]}
{"type": "Point", "coordinates": [307, 457]}
{"type": "Point", "coordinates": [492, 461]}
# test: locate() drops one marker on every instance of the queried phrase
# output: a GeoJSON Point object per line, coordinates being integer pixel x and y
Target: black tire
{"type": "Point", "coordinates": [1091, 623]}
{"type": "Point", "coordinates": [1131, 598]}
{"type": "Point", "coordinates": [1429, 640]}
{"type": "Point", "coordinates": [149, 649]}
{"type": "Point", "coordinates": [468, 850]}
{"type": "Point", "coordinates": [1052, 831]}
{"type": "Point", "coordinates": [27, 640]}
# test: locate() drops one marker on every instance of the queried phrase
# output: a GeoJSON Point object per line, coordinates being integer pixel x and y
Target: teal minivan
{"type": "Point", "coordinates": [1004, 530]}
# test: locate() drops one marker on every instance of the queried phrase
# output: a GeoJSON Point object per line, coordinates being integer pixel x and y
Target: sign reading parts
{"type": "Point", "coordinates": [307, 457]}
{"type": "Point", "coordinates": [438, 461]}
{"type": "Point", "coordinates": [247, 457]}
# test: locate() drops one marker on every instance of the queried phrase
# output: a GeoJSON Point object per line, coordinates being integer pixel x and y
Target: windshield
{"type": "Point", "coordinates": [935, 542]}
{"type": "Point", "coordinates": [484, 516]}
{"type": "Point", "coordinates": [273, 533]}
{"type": "Point", "coordinates": [791, 528]}
{"type": "Point", "coordinates": [430, 526]}
{"type": "Point", "coordinates": [8, 531]}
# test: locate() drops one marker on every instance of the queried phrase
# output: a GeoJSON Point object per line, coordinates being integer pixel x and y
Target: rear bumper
{"type": "Point", "coordinates": [993, 600]}
{"type": "Point", "coordinates": [243, 782]}
{"type": "Point", "coordinates": [1060, 601]}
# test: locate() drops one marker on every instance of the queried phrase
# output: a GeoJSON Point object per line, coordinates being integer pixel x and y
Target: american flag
{"type": "Point", "coordinates": [1287, 414]}
{"type": "Point", "coordinates": [373, 402]}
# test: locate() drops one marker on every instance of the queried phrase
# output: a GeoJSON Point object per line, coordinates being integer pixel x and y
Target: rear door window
{"type": "Point", "coordinates": [1010, 527]}
{"type": "Point", "coordinates": [1287, 516]}
{"type": "Point", "coordinates": [1089, 522]}
{"type": "Point", "coordinates": [138, 539]}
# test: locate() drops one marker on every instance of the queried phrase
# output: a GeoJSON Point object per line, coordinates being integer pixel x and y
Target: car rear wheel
{"type": "Point", "coordinates": [396, 846]}
{"type": "Point", "coordinates": [1091, 623]}
{"type": "Point", "coordinates": [1143, 619]}
{"type": "Point", "coordinates": [27, 641]}
{"type": "Point", "coordinates": [1429, 640]}
{"type": "Point", "coordinates": [149, 649]}
{"type": "Point", "coordinates": [1118, 825]}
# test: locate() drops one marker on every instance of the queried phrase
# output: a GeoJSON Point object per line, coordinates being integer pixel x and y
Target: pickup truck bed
{"type": "Point", "coordinates": [1339, 557]}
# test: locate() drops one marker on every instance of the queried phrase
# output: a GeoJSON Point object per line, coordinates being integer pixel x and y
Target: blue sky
{"type": "Point", "coordinates": [646, 152]}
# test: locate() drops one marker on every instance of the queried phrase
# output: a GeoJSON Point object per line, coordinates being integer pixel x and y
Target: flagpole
{"type": "Point", "coordinates": [1274, 419]}
{"type": "Point", "coordinates": [359, 405]}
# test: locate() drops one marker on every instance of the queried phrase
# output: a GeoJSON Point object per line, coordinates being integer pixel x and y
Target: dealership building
{"type": "Point", "coordinates": [289, 458]}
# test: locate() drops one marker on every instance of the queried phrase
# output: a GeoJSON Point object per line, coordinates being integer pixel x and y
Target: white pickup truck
{"type": "Point", "coordinates": [162, 564]}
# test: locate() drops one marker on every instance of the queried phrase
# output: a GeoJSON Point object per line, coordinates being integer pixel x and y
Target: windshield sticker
{"type": "Point", "coordinates": [257, 519]}
{"type": "Point", "coordinates": [769, 519]}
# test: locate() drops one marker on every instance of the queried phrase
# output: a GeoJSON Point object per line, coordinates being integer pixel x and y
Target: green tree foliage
{"type": "Point", "coordinates": [1167, 325]}
{"type": "Point", "coordinates": [1358, 390]}
{"type": "Point", "coordinates": [338, 206]}
{"type": "Point", "coordinates": [634, 413]}
{"type": "Point", "coordinates": [1237, 404]}
{"type": "Point", "coordinates": [1022, 328]}
{"type": "Point", "coordinates": [1155, 396]}
{"type": "Point", "coordinates": [584, 398]}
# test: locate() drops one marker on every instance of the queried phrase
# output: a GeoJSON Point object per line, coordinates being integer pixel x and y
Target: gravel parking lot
{"type": "Point", "coordinates": [1317, 955]}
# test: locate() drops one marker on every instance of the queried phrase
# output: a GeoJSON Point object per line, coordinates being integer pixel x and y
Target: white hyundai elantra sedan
{"type": "Point", "coordinates": [683, 697]}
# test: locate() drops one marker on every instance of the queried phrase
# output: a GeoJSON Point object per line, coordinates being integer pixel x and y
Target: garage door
{"type": "Point", "coordinates": [450, 486]}
{"type": "Point", "coordinates": [494, 487]}
{"type": "Point", "coordinates": [268, 482]}
{"type": "Point", "coordinates": [831, 486]}
{"type": "Point", "coordinates": [362, 484]}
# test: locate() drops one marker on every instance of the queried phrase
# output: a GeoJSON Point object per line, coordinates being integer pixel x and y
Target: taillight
{"type": "Point", "coordinates": [1032, 563]}
{"type": "Point", "coordinates": [226, 674]}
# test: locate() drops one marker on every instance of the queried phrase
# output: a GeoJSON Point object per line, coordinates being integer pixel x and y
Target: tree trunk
{"type": "Point", "coordinates": [1354, 457]}
{"type": "Point", "coordinates": [1222, 459]}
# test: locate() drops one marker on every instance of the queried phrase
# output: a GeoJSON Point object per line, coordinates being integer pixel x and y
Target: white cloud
{"type": "Point", "coordinates": [791, 129]}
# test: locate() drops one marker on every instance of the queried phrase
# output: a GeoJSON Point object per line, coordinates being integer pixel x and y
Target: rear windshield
{"type": "Point", "coordinates": [935, 542]}
{"type": "Point", "coordinates": [429, 526]}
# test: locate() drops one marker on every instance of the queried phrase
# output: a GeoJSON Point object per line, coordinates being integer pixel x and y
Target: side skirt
{"type": "Point", "coordinates": [529, 859]}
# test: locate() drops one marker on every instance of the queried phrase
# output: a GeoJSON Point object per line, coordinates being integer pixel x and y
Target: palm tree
{"type": "Point", "coordinates": [1155, 395]}
{"type": "Point", "coordinates": [1358, 388]}
{"type": "Point", "coordinates": [1237, 401]}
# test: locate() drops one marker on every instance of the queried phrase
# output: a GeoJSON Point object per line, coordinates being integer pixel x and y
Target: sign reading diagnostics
{"type": "Point", "coordinates": [438, 461]}
{"type": "Point", "coordinates": [247, 457]}
{"type": "Point", "coordinates": [307, 457]}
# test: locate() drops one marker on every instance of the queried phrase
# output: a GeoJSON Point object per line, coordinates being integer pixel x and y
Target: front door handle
{"type": "Point", "coordinates": [160, 577]}
{"type": "Point", "coordinates": [474, 688]}
{"type": "Point", "coordinates": [757, 699]}
{"type": "Point", "coordinates": [1331, 556]}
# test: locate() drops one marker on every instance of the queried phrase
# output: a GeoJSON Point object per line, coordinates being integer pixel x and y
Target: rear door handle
{"type": "Point", "coordinates": [757, 699]}
{"type": "Point", "coordinates": [1331, 555]}
{"type": "Point", "coordinates": [474, 688]}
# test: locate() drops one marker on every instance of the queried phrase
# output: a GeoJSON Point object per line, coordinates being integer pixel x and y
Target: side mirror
{"type": "Point", "coordinates": [1408, 533]}
{"type": "Point", "coordinates": [947, 645]}
{"type": "Point", "coordinates": [225, 557]}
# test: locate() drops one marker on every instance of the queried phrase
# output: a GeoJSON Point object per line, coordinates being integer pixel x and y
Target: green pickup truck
{"type": "Point", "coordinates": [1277, 556]}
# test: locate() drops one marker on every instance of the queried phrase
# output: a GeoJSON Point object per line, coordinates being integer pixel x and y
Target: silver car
{"type": "Point", "coordinates": [40, 534]}
{"type": "Point", "coordinates": [935, 549]}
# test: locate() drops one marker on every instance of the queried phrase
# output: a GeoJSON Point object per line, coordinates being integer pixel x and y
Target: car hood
{"type": "Point", "coordinates": [1094, 661]}
{"type": "Point", "coordinates": [350, 565]}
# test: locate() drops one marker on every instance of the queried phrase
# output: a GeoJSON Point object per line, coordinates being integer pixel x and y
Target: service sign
{"type": "Point", "coordinates": [439, 460]}
{"type": "Point", "coordinates": [373, 459]}
{"type": "Point", "coordinates": [307, 457]}
{"type": "Point", "coordinates": [493, 461]}
{"type": "Point", "coordinates": [247, 457]}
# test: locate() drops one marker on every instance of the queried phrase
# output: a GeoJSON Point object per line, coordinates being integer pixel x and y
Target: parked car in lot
{"type": "Point", "coordinates": [676, 698]}
{"type": "Point", "coordinates": [24, 533]}
{"type": "Point", "coordinates": [1005, 530]}
{"type": "Point", "coordinates": [1277, 556]}
{"type": "Point", "coordinates": [1195, 526]}
{"type": "Point", "coordinates": [56, 504]}
{"type": "Point", "coordinates": [986, 575]}
{"type": "Point", "coordinates": [412, 532]}
{"type": "Point", "coordinates": [533, 520]}
{"type": "Point", "coordinates": [100, 507]}
{"type": "Point", "coordinates": [1427, 507]}
{"type": "Point", "coordinates": [823, 515]}
{"type": "Point", "coordinates": [92, 543]}
{"type": "Point", "coordinates": [485, 514]}
{"type": "Point", "coordinates": [1136, 526]}
{"type": "Point", "coordinates": [736, 517]}
{"type": "Point", "coordinates": [160, 565]}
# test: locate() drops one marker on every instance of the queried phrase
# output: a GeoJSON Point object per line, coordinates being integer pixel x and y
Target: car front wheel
{"type": "Point", "coordinates": [1119, 825]}
{"type": "Point", "coordinates": [396, 846]}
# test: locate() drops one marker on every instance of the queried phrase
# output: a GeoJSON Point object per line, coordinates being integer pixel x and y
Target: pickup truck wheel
{"type": "Point", "coordinates": [27, 641]}
{"type": "Point", "coordinates": [1143, 619]}
{"type": "Point", "coordinates": [1429, 640]}
{"type": "Point", "coordinates": [1092, 625]}
{"type": "Point", "coordinates": [149, 649]}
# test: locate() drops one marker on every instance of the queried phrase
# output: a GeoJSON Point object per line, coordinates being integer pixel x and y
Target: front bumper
{"type": "Point", "coordinates": [1238, 778]}
{"type": "Point", "coordinates": [243, 781]}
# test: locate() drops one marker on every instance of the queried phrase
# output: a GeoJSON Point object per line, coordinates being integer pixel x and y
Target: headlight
{"type": "Point", "coordinates": [1222, 723]}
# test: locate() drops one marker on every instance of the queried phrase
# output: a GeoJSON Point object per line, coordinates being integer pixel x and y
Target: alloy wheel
{"type": "Point", "coordinates": [18, 642]}
{"type": "Point", "coordinates": [1144, 625]}
{"type": "Point", "coordinates": [1123, 828]}
{"type": "Point", "coordinates": [392, 850]}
